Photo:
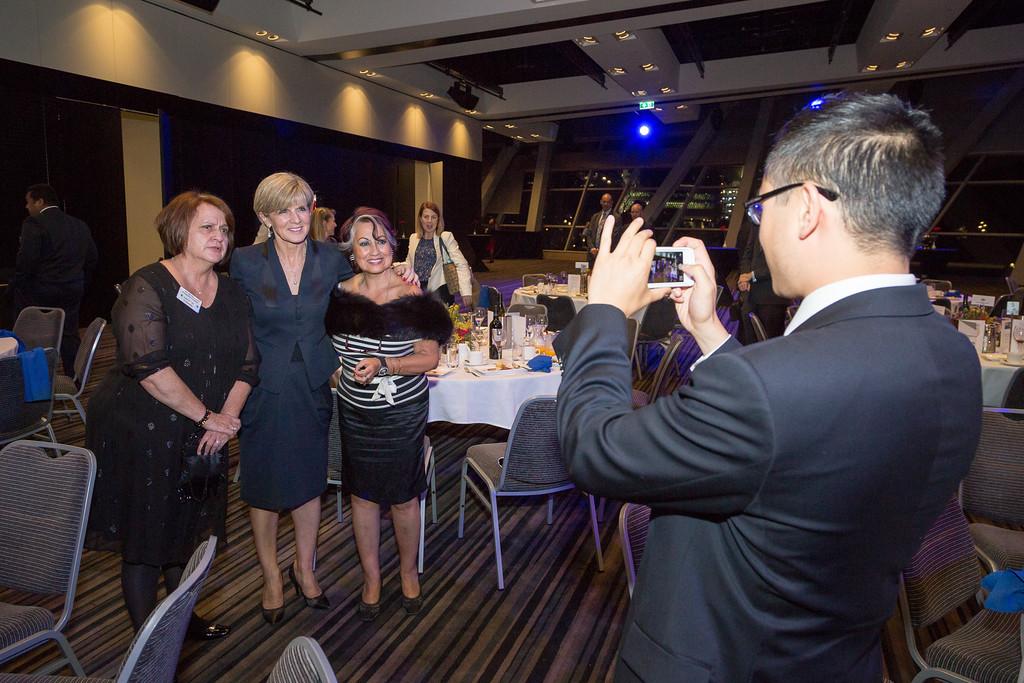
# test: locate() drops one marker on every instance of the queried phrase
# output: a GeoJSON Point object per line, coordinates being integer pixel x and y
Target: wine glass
{"type": "Point", "coordinates": [498, 339]}
{"type": "Point", "coordinates": [479, 316]}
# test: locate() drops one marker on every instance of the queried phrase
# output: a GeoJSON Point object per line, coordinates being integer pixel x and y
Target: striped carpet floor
{"type": "Point", "coordinates": [558, 619]}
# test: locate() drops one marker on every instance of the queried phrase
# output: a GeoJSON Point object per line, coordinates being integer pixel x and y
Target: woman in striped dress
{"type": "Point", "coordinates": [387, 334]}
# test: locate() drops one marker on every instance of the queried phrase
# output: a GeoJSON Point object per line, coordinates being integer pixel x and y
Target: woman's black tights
{"type": "Point", "coordinates": [139, 585]}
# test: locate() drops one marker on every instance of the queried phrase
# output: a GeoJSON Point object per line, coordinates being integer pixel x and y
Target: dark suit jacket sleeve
{"type": "Point", "coordinates": [29, 250]}
{"type": "Point", "coordinates": [704, 450]}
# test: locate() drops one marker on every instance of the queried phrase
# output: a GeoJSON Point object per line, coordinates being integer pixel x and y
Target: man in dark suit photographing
{"type": "Point", "coordinates": [793, 479]}
{"type": "Point", "coordinates": [56, 258]}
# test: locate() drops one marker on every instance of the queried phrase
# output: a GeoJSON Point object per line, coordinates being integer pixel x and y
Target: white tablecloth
{"type": "Point", "coordinates": [528, 295]}
{"type": "Point", "coordinates": [8, 347]}
{"type": "Point", "coordinates": [466, 399]}
{"type": "Point", "coordinates": [996, 378]}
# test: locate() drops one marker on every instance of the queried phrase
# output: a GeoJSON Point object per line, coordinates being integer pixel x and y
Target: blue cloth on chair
{"type": "Point", "coordinates": [35, 374]}
{"type": "Point", "coordinates": [10, 335]}
{"type": "Point", "coordinates": [1005, 590]}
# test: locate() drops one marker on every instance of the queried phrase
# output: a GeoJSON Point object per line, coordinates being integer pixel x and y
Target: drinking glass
{"type": "Point", "coordinates": [479, 317]}
{"type": "Point", "coordinates": [451, 355]}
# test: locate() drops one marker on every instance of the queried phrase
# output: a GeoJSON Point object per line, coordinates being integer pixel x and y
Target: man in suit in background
{"type": "Point", "coordinates": [756, 280]}
{"type": "Point", "coordinates": [56, 258]}
{"type": "Point", "coordinates": [595, 227]}
{"type": "Point", "coordinates": [793, 479]}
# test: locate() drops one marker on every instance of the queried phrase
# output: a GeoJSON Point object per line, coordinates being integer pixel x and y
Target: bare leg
{"type": "Point", "coordinates": [366, 527]}
{"type": "Point", "coordinates": [264, 533]}
{"type": "Point", "coordinates": [306, 519]}
{"type": "Point", "coordinates": [406, 518]}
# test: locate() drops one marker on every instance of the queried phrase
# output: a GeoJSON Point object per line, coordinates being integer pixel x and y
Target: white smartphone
{"type": "Point", "coordinates": [666, 268]}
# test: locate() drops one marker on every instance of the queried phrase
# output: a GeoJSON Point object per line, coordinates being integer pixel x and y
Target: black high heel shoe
{"type": "Point", "coordinates": [272, 615]}
{"type": "Point", "coordinates": [318, 602]}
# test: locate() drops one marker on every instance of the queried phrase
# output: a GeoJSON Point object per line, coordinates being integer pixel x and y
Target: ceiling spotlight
{"type": "Point", "coordinates": [472, 111]}
{"type": "Point", "coordinates": [262, 33]}
{"type": "Point", "coordinates": [273, 36]}
{"type": "Point", "coordinates": [667, 90]}
{"type": "Point", "coordinates": [488, 126]}
{"type": "Point", "coordinates": [426, 95]}
{"type": "Point", "coordinates": [616, 71]}
{"type": "Point", "coordinates": [534, 135]}
{"type": "Point", "coordinates": [364, 72]}
{"type": "Point", "coordinates": [682, 106]}
{"type": "Point", "coordinates": [519, 137]}
{"type": "Point", "coordinates": [639, 93]}
{"type": "Point", "coordinates": [462, 93]}
{"type": "Point", "coordinates": [658, 109]}
{"type": "Point", "coordinates": [586, 41]}
{"type": "Point", "coordinates": [649, 67]}
{"type": "Point", "coordinates": [891, 36]}
{"type": "Point", "coordinates": [904, 64]}
{"type": "Point", "coordinates": [931, 31]}
{"type": "Point", "coordinates": [624, 35]}
{"type": "Point", "coordinates": [644, 130]}
{"type": "Point", "coordinates": [510, 125]}
{"type": "Point", "coordinates": [870, 67]}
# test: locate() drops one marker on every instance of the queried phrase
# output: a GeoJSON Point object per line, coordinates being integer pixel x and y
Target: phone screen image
{"type": "Point", "coordinates": [666, 268]}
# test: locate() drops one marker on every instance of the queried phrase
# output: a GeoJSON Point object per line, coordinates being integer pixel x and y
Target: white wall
{"type": "Point", "coordinates": [142, 45]}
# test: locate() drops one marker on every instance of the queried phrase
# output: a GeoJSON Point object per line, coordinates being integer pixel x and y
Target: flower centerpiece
{"type": "Point", "coordinates": [462, 326]}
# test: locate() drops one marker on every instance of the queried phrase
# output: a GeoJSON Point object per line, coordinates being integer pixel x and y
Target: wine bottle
{"type": "Point", "coordinates": [497, 340]}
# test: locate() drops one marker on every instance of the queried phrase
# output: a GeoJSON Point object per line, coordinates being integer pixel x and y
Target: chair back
{"type": "Point", "coordinates": [87, 351]}
{"type": "Point", "coordinates": [944, 572]}
{"type": "Point", "coordinates": [994, 486]}
{"type": "Point", "coordinates": [561, 310]}
{"type": "Point", "coordinates": [334, 443]}
{"type": "Point", "coordinates": [153, 656]}
{"type": "Point", "coordinates": [668, 358]}
{"type": "Point", "coordinates": [531, 279]}
{"type": "Point", "coordinates": [489, 297]}
{"type": "Point", "coordinates": [303, 661]}
{"type": "Point", "coordinates": [19, 418]}
{"type": "Point", "coordinates": [938, 285]}
{"type": "Point", "coordinates": [45, 493]}
{"type": "Point", "coordinates": [759, 331]}
{"type": "Point", "coordinates": [40, 326]}
{"type": "Point", "coordinates": [632, 334]}
{"type": "Point", "coordinates": [1014, 398]}
{"type": "Point", "coordinates": [527, 309]}
{"type": "Point", "coordinates": [659, 320]}
{"type": "Point", "coordinates": [533, 456]}
{"type": "Point", "coordinates": [633, 522]}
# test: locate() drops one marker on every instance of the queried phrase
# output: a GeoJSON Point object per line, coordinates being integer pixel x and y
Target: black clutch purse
{"type": "Point", "coordinates": [201, 475]}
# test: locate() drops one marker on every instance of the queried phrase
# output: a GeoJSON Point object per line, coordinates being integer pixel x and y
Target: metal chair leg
{"type": "Point", "coordinates": [597, 534]}
{"type": "Point", "coordinates": [497, 541]}
{"type": "Point", "coordinates": [462, 497]}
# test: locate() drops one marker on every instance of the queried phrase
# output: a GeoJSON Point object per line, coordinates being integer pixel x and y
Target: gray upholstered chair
{"type": "Point", "coordinates": [531, 279]}
{"type": "Point", "coordinates": [938, 285]}
{"type": "Point", "coordinates": [759, 331]}
{"type": "Point", "coordinates": [943, 575]}
{"type": "Point", "coordinates": [665, 365]}
{"type": "Point", "coordinates": [303, 661]}
{"type": "Point", "coordinates": [429, 466]}
{"type": "Point", "coordinates": [19, 418]}
{"type": "Point", "coordinates": [66, 388]}
{"type": "Point", "coordinates": [488, 297]}
{"type": "Point", "coordinates": [45, 492]}
{"type": "Point", "coordinates": [529, 464]}
{"type": "Point", "coordinates": [334, 452]}
{"type": "Point", "coordinates": [561, 310]}
{"type": "Point", "coordinates": [659, 321]}
{"type": "Point", "coordinates": [994, 489]}
{"type": "Point", "coordinates": [40, 326]}
{"type": "Point", "coordinates": [527, 309]}
{"type": "Point", "coordinates": [633, 522]}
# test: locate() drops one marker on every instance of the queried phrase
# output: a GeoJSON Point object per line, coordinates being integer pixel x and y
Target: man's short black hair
{"type": "Point", "coordinates": [881, 155]}
{"type": "Point", "coordinates": [44, 192]}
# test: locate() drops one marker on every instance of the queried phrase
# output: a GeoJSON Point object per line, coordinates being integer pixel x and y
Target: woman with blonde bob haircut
{"type": "Point", "coordinates": [323, 225]}
{"type": "Point", "coordinates": [289, 279]}
{"type": "Point", "coordinates": [430, 248]}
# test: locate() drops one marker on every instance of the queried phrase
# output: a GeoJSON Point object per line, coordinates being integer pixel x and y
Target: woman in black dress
{"type": "Point", "coordinates": [387, 336]}
{"type": "Point", "coordinates": [185, 363]}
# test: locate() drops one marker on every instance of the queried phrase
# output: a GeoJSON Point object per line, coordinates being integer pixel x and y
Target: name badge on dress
{"type": "Point", "coordinates": [189, 299]}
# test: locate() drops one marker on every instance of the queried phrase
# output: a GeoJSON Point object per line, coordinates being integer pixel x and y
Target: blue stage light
{"type": "Point", "coordinates": [816, 103]}
{"type": "Point", "coordinates": [644, 130]}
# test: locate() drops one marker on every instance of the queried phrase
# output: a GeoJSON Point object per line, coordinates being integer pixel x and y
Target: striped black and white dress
{"type": "Point", "coordinates": [382, 422]}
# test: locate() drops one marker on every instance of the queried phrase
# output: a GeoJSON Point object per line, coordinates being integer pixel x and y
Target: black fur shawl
{"type": "Point", "coordinates": [417, 316]}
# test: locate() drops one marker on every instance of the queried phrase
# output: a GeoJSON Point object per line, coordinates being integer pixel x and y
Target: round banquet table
{"type": "Point", "coordinates": [528, 295]}
{"type": "Point", "coordinates": [8, 347]}
{"type": "Point", "coordinates": [996, 378]}
{"type": "Point", "coordinates": [464, 398]}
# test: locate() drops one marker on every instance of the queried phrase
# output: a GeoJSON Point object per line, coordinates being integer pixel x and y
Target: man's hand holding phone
{"type": "Point", "coordinates": [695, 305]}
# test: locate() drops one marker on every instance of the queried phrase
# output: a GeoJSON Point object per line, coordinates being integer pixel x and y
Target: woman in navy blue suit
{"type": "Point", "coordinates": [289, 280]}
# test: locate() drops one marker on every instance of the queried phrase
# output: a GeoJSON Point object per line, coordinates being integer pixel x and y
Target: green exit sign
{"type": "Point", "coordinates": [646, 104]}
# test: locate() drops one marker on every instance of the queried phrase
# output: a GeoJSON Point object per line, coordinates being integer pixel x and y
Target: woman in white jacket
{"type": "Point", "coordinates": [430, 248]}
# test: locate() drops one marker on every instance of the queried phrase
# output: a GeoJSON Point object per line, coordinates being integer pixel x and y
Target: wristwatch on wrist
{"type": "Point", "coordinates": [383, 372]}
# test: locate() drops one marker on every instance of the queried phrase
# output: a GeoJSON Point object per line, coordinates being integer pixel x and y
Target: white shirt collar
{"type": "Point", "coordinates": [51, 206]}
{"type": "Point", "coordinates": [825, 296]}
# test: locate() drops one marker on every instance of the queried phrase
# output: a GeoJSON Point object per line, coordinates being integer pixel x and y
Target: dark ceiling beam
{"type": "Point", "coordinates": [575, 56]}
{"type": "Point", "coordinates": [837, 32]}
{"type": "Point", "coordinates": [491, 88]}
{"type": "Point", "coordinates": [967, 20]}
{"type": "Point", "coordinates": [306, 5]}
{"type": "Point", "coordinates": [690, 43]}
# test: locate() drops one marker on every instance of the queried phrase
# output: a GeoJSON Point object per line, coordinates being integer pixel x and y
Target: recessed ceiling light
{"type": "Point", "coordinates": [624, 35]}
{"type": "Point", "coordinates": [586, 41]}
{"type": "Point", "coordinates": [891, 36]}
{"type": "Point", "coordinates": [365, 72]}
{"type": "Point", "coordinates": [667, 90]}
{"type": "Point", "coordinates": [262, 33]}
{"type": "Point", "coordinates": [427, 95]}
{"type": "Point", "coordinates": [488, 126]}
{"type": "Point", "coordinates": [519, 137]}
{"type": "Point", "coordinates": [931, 31]}
{"type": "Point", "coordinates": [639, 93]}
{"type": "Point", "coordinates": [534, 135]}
{"type": "Point", "coordinates": [682, 106]}
{"type": "Point", "coordinates": [472, 111]}
{"type": "Point", "coordinates": [649, 67]}
{"type": "Point", "coordinates": [510, 125]}
{"type": "Point", "coordinates": [616, 71]}
{"type": "Point", "coordinates": [273, 36]}
{"type": "Point", "coordinates": [904, 64]}
{"type": "Point", "coordinates": [658, 109]}
{"type": "Point", "coordinates": [871, 67]}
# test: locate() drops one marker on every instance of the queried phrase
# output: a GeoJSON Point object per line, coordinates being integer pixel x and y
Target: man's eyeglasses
{"type": "Point", "coordinates": [755, 206]}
